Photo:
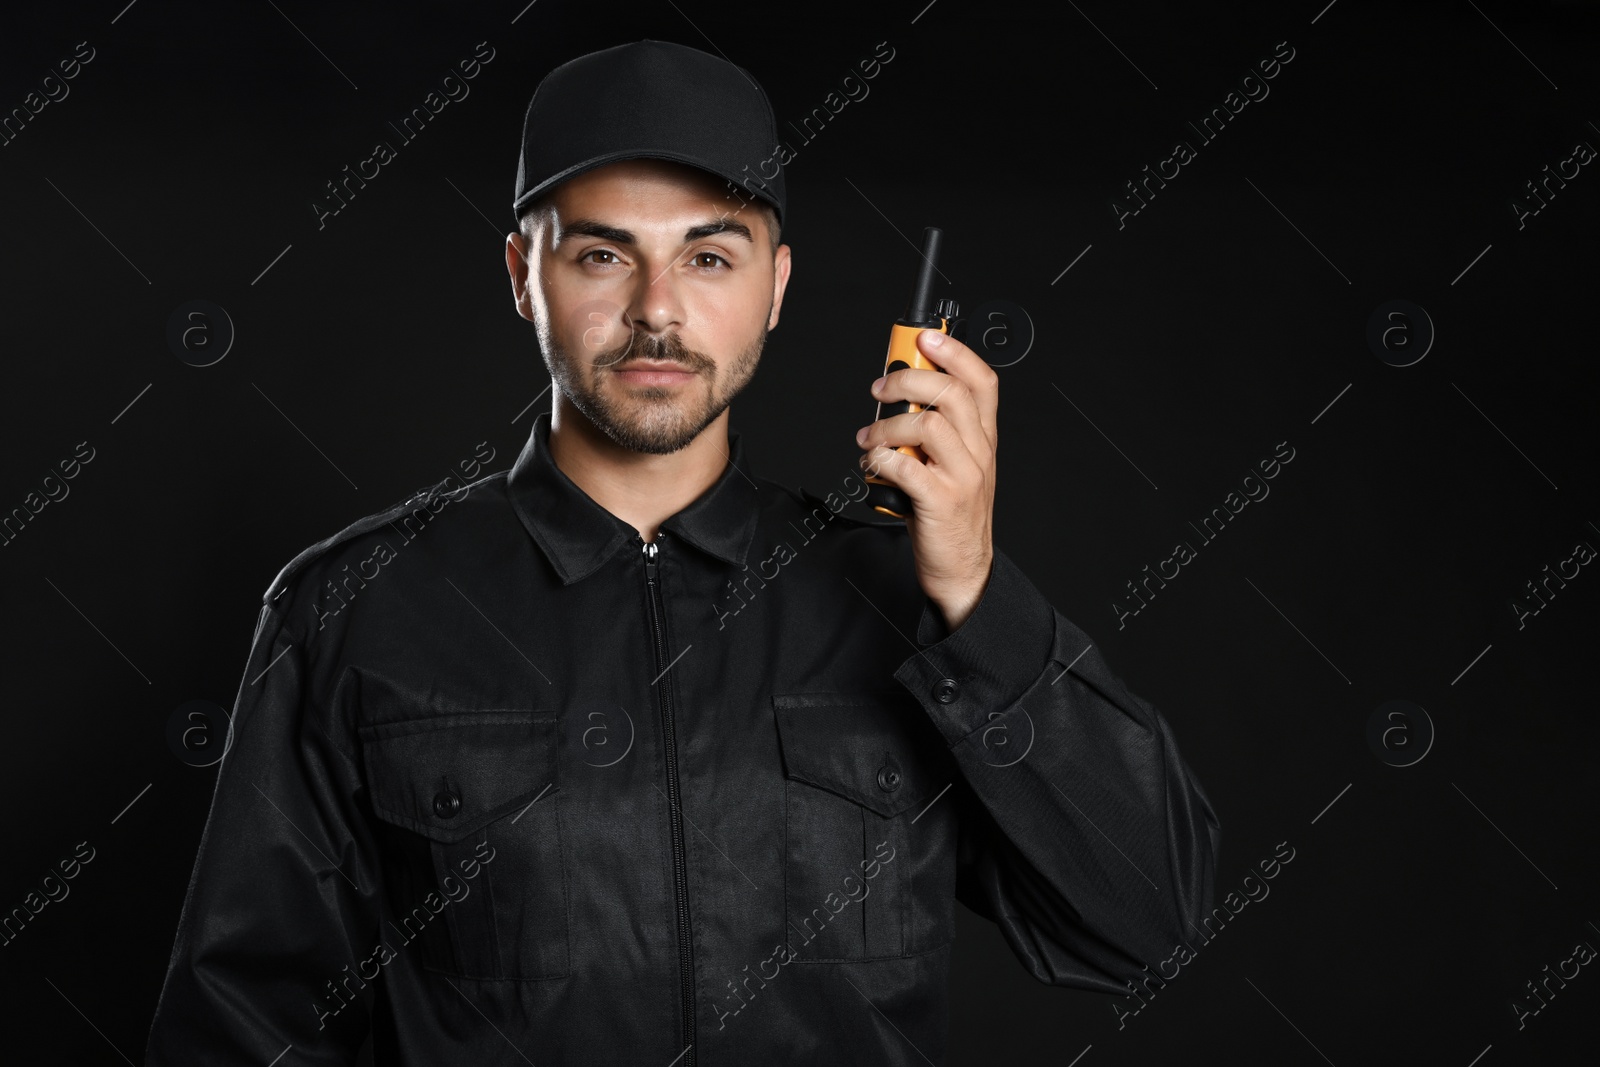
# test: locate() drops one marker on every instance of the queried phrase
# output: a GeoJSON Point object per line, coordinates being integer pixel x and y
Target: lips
{"type": "Point", "coordinates": [645, 365]}
{"type": "Point", "coordinates": [650, 373]}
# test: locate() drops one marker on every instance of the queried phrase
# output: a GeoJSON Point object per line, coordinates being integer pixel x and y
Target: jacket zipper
{"type": "Point", "coordinates": [680, 868]}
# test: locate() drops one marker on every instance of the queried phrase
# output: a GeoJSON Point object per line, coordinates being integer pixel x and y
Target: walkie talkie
{"type": "Point", "coordinates": [922, 314]}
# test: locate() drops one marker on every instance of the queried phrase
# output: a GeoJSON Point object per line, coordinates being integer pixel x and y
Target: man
{"type": "Point", "coordinates": [629, 756]}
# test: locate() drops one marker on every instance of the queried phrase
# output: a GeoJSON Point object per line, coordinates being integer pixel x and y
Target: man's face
{"type": "Point", "coordinates": [652, 296]}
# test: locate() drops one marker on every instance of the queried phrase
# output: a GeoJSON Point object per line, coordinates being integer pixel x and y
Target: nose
{"type": "Point", "coordinates": [655, 306]}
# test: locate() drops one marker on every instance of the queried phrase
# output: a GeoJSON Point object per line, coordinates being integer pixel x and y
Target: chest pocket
{"type": "Point", "coordinates": [473, 858]}
{"type": "Point", "coordinates": [869, 863]}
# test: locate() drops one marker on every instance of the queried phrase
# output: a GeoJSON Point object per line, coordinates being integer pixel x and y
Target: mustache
{"type": "Point", "coordinates": [667, 349]}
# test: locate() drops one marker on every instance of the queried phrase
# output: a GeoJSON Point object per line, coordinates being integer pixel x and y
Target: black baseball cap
{"type": "Point", "coordinates": [649, 100]}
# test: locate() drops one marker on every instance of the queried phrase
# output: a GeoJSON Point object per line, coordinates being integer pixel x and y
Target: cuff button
{"type": "Point", "coordinates": [946, 690]}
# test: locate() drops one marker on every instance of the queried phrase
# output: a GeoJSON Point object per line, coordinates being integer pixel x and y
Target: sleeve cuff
{"type": "Point", "coordinates": [986, 663]}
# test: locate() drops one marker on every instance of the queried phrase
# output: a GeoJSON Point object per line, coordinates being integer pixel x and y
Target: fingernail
{"type": "Point", "coordinates": [878, 385]}
{"type": "Point", "coordinates": [861, 435]}
{"type": "Point", "coordinates": [933, 337]}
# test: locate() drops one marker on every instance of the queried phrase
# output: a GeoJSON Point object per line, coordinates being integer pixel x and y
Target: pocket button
{"type": "Point", "coordinates": [888, 779]}
{"type": "Point", "coordinates": [446, 804]}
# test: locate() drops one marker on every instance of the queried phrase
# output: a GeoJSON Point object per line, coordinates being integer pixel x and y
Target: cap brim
{"type": "Point", "coordinates": [616, 157]}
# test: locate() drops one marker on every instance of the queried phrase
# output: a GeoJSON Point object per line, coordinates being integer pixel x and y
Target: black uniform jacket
{"type": "Point", "coordinates": [507, 784]}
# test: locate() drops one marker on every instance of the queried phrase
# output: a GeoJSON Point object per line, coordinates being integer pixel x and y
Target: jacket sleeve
{"type": "Point", "coordinates": [1091, 843]}
{"type": "Point", "coordinates": [284, 891]}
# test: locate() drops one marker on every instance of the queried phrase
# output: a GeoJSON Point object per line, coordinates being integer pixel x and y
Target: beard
{"type": "Point", "coordinates": [654, 419]}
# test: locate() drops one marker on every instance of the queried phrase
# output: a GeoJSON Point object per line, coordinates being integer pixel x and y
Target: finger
{"type": "Point", "coordinates": [950, 395]}
{"type": "Point", "coordinates": [931, 431]}
{"type": "Point", "coordinates": [905, 472]}
{"type": "Point", "coordinates": [966, 365]}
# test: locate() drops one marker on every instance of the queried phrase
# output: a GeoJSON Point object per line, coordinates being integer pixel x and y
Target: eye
{"type": "Point", "coordinates": [699, 258]}
{"type": "Point", "coordinates": [600, 252]}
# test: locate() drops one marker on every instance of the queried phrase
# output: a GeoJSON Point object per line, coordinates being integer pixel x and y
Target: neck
{"type": "Point", "coordinates": [639, 488]}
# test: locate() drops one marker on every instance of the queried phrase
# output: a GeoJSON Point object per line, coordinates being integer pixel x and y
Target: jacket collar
{"type": "Point", "coordinates": [578, 535]}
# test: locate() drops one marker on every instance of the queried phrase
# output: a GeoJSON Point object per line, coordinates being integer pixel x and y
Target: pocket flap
{"type": "Point", "coordinates": [869, 749]}
{"type": "Point", "coordinates": [447, 776]}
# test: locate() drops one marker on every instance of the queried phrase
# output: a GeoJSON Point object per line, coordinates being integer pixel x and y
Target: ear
{"type": "Point", "coordinates": [780, 282]}
{"type": "Point", "coordinates": [517, 267]}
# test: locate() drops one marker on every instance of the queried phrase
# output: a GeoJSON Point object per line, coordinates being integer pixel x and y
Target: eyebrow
{"type": "Point", "coordinates": [595, 228]}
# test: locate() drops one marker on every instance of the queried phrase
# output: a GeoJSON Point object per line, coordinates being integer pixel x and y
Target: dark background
{"type": "Point", "coordinates": [1221, 320]}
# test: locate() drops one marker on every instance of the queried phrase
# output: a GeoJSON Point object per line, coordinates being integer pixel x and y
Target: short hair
{"type": "Point", "coordinates": [530, 216]}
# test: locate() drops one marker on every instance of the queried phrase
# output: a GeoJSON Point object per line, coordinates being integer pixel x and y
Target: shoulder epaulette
{"type": "Point", "coordinates": [421, 498]}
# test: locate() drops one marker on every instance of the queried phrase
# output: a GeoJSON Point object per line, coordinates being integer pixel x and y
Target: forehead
{"type": "Point", "coordinates": [641, 189]}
